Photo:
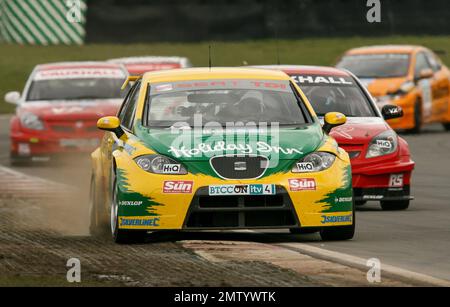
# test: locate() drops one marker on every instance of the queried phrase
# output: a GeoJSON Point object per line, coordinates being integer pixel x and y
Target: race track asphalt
{"type": "Point", "coordinates": [417, 239]}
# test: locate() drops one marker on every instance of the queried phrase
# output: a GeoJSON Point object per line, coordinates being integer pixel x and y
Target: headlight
{"type": "Point", "coordinates": [383, 144]}
{"type": "Point", "coordinates": [407, 87]}
{"type": "Point", "coordinates": [314, 162]}
{"type": "Point", "coordinates": [404, 89]}
{"type": "Point", "coordinates": [31, 121]}
{"type": "Point", "coordinates": [160, 165]}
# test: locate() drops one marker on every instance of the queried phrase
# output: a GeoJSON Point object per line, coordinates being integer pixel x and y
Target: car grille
{"type": "Point", "coordinates": [69, 127]}
{"type": "Point", "coordinates": [354, 154]}
{"type": "Point", "coordinates": [241, 212]}
{"type": "Point", "coordinates": [354, 150]}
{"type": "Point", "coordinates": [239, 167]}
{"type": "Point", "coordinates": [65, 129]}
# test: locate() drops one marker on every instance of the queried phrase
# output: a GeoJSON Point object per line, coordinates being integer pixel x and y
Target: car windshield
{"type": "Point", "coordinates": [75, 89]}
{"type": "Point", "coordinates": [388, 65]}
{"type": "Point", "coordinates": [225, 101]}
{"type": "Point", "coordinates": [335, 94]}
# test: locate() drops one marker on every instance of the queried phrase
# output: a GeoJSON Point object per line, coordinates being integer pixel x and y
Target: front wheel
{"type": "Point", "coordinates": [446, 126]}
{"type": "Point", "coordinates": [303, 231]}
{"type": "Point", "coordinates": [122, 236]}
{"type": "Point", "coordinates": [338, 233]}
{"type": "Point", "coordinates": [394, 205]}
{"type": "Point", "coordinates": [98, 220]}
{"type": "Point", "coordinates": [417, 118]}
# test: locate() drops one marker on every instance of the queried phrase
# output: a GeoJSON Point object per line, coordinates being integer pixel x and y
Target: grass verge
{"type": "Point", "coordinates": [16, 62]}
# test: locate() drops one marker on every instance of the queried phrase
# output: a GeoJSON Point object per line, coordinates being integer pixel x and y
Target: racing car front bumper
{"type": "Point", "coordinates": [42, 148]}
{"type": "Point", "coordinates": [383, 182]}
{"type": "Point", "coordinates": [241, 212]}
{"type": "Point", "coordinates": [158, 202]}
{"type": "Point", "coordinates": [382, 194]}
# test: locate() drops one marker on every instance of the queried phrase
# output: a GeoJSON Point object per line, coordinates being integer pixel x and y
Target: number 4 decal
{"type": "Point", "coordinates": [269, 189]}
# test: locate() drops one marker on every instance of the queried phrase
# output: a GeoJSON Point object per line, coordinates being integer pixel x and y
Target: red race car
{"type": "Point", "coordinates": [59, 108]}
{"type": "Point", "coordinates": [141, 65]}
{"type": "Point", "coordinates": [381, 161]}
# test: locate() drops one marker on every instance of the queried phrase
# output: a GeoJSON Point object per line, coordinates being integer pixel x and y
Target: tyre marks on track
{"type": "Point", "coordinates": [14, 184]}
{"type": "Point", "coordinates": [41, 230]}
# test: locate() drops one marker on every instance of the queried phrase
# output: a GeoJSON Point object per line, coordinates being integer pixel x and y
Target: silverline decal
{"type": "Point", "coordinates": [337, 219]}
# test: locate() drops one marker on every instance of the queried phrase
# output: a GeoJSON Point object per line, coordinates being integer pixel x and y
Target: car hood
{"type": "Point", "coordinates": [359, 130]}
{"type": "Point", "coordinates": [189, 145]}
{"type": "Point", "coordinates": [382, 86]}
{"type": "Point", "coordinates": [67, 110]}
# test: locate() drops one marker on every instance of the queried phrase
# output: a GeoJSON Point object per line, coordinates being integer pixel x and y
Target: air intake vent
{"type": "Point", "coordinates": [236, 167]}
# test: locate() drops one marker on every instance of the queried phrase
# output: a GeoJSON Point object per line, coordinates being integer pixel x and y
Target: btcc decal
{"type": "Point", "coordinates": [328, 219]}
{"type": "Point", "coordinates": [315, 79]}
{"type": "Point", "coordinates": [178, 187]}
{"type": "Point", "coordinates": [138, 222]}
{"type": "Point", "coordinates": [302, 184]}
{"type": "Point", "coordinates": [245, 189]}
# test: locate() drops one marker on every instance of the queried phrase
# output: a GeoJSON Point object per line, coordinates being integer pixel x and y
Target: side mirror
{"type": "Point", "coordinates": [390, 111]}
{"type": "Point", "coordinates": [332, 120]}
{"type": "Point", "coordinates": [111, 124]}
{"type": "Point", "coordinates": [12, 97]}
{"type": "Point", "coordinates": [425, 74]}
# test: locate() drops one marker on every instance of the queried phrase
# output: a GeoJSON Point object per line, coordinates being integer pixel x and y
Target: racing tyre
{"type": "Point", "coordinates": [122, 236]}
{"type": "Point", "coordinates": [417, 118]}
{"type": "Point", "coordinates": [98, 220]}
{"type": "Point", "coordinates": [339, 233]}
{"type": "Point", "coordinates": [394, 205]}
{"type": "Point", "coordinates": [303, 231]}
{"type": "Point", "coordinates": [446, 126]}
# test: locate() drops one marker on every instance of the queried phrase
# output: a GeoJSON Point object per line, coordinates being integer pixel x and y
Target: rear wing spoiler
{"type": "Point", "coordinates": [130, 79]}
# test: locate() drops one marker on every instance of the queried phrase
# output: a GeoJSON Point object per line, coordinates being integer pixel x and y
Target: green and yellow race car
{"type": "Point", "coordinates": [220, 148]}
